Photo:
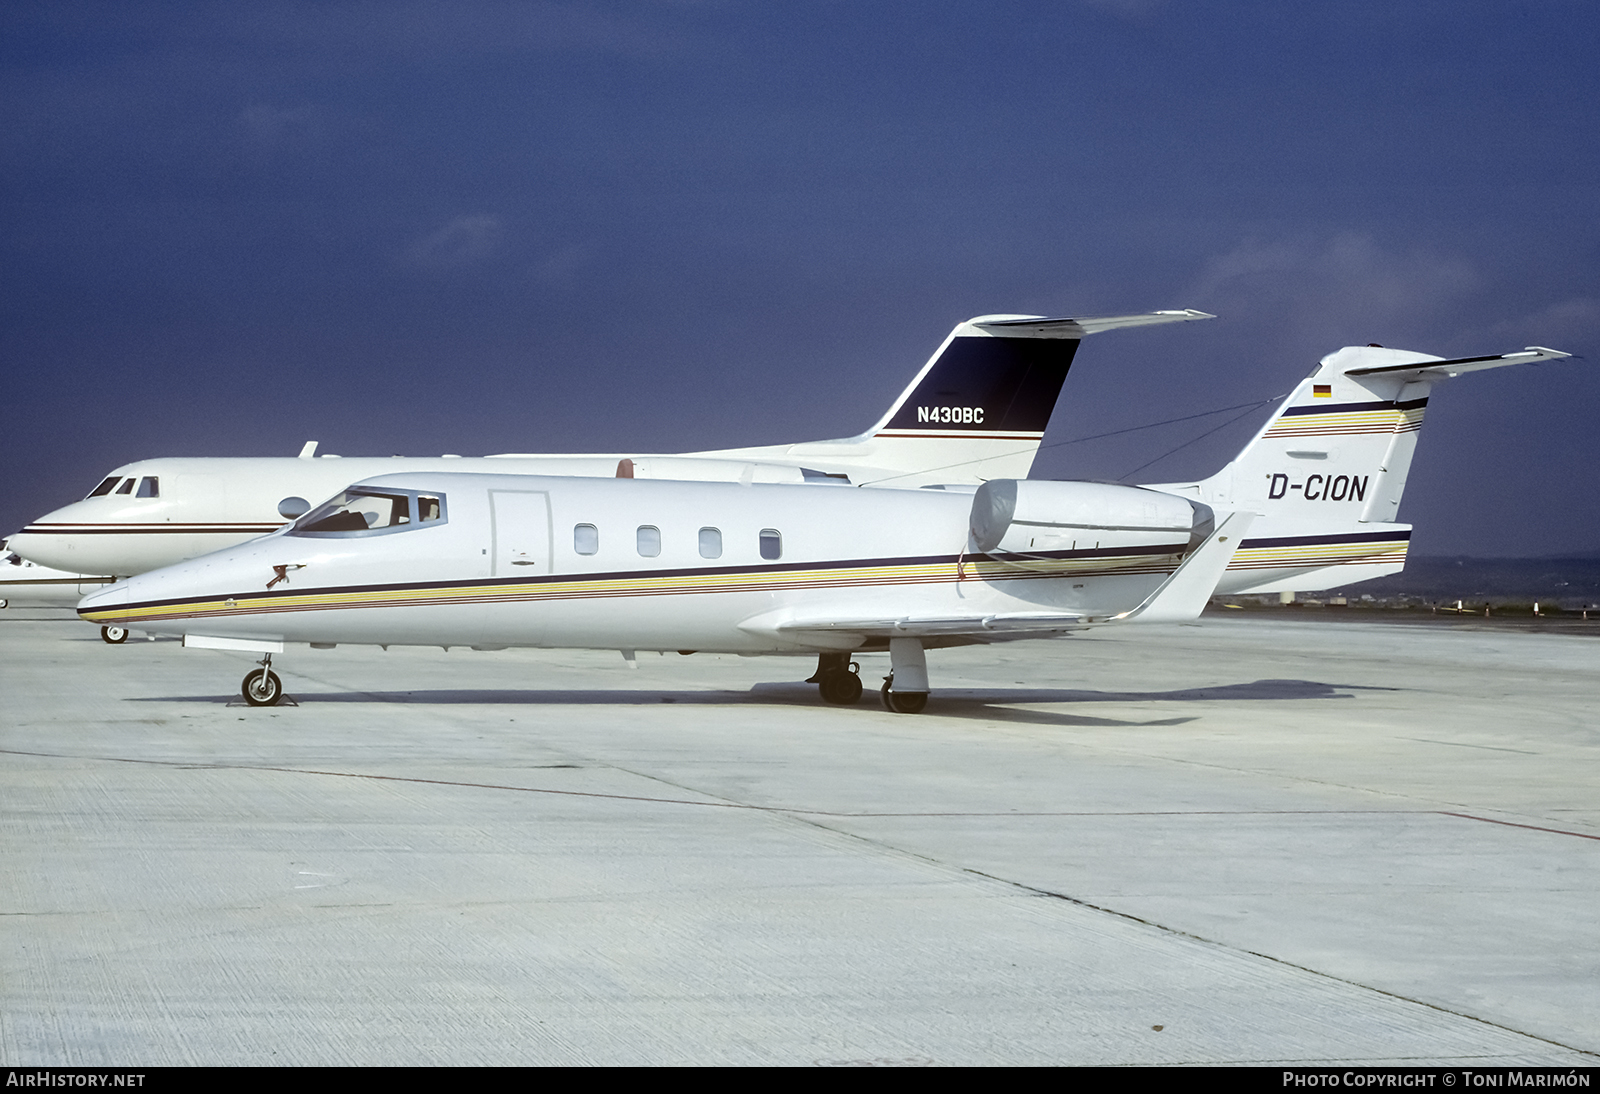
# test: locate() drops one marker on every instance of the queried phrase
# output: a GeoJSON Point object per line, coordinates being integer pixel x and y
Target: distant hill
{"type": "Point", "coordinates": [1570, 582]}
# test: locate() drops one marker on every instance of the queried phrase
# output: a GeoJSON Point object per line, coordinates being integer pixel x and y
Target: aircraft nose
{"type": "Point", "coordinates": [33, 545]}
{"type": "Point", "coordinates": [107, 599]}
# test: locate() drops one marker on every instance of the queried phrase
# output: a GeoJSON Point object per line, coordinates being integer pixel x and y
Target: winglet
{"type": "Point", "coordinates": [1183, 596]}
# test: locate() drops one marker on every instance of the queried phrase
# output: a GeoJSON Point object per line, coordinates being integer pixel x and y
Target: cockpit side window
{"type": "Point", "coordinates": [127, 486]}
{"type": "Point", "coordinates": [359, 511]}
{"type": "Point", "coordinates": [105, 487]}
{"type": "Point", "coordinates": [149, 487]}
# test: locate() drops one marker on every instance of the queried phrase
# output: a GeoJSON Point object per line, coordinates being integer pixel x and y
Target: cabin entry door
{"type": "Point", "coordinates": [520, 528]}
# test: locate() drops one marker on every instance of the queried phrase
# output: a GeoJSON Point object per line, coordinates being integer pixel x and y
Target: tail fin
{"type": "Point", "coordinates": [976, 411]}
{"type": "Point", "coordinates": [1328, 470]}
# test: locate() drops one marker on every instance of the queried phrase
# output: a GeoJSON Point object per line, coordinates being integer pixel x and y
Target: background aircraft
{"type": "Point", "coordinates": [976, 410]}
{"type": "Point", "coordinates": [495, 561]}
{"type": "Point", "coordinates": [25, 584]}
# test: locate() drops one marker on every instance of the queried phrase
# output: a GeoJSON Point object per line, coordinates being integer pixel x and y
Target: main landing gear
{"type": "Point", "coordinates": [116, 636]}
{"type": "Point", "coordinates": [261, 687]}
{"type": "Point", "coordinates": [904, 691]}
{"type": "Point", "coordinates": [902, 702]}
{"type": "Point", "coordinates": [837, 677]}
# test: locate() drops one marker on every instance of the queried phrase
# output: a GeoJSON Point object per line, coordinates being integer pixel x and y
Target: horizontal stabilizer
{"type": "Point", "coordinates": [1039, 327]}
{"type": "Point", "coordinates": [1439, 370]}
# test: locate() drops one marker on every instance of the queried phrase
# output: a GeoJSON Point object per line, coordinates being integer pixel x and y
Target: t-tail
{"type": "Point", "coordinates": [1327, 471]}
{"type": "Point", "coordinates": [976, 411]}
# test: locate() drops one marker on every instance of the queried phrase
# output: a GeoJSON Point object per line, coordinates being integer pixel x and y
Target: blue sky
{"type": "Point", "coordinates": [451, 227]}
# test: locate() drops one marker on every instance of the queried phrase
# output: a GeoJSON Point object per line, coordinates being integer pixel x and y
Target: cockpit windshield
{"type": "Point", "coordinates": [360, 511]}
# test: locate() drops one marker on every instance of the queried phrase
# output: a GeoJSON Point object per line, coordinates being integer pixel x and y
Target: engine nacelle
{"type": "Point", "coordinates": [1026, 515]}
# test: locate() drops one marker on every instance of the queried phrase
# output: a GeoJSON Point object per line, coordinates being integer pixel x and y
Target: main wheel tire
{"type": "Point", "coordinates": [843, 688]}
{"type": "Point", "coordinates": [902, 702]}
{"type": "Point", "coordinates": [116, 636]}
{"type": "Point", "coordinates": [262, 688]}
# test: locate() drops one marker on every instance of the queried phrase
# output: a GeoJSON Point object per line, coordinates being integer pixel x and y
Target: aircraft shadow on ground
{"type": "Point", "coordinates": [994, 704]}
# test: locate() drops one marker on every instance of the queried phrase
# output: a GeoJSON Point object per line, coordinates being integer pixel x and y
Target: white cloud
{"type": "Point", "coordinates": [1332, 290]}
{"type": "Point", "coordinates": [462, 241]}
{"type": "Point", "coordinates": [1576, 320]}
{"type": "Point", "coordinates": [267, 125]}
{"type": "Point", "coordinates": [1136, 10]}
{"type": "Point", "coordinates": [435, 29]}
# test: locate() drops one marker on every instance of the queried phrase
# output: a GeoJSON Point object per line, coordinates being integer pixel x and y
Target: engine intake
{"type": "Point", "coordinates": [1021, 515]}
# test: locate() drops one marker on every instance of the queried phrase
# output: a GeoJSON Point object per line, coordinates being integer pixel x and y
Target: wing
{"type": "Point", "coordinates": [1007, 624]}
{"type": "Point", "coordinates": [1181, 597]}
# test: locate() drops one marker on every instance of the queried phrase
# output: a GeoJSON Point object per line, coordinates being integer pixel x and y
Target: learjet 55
{"type": "Point", "coordinates": [491, 561]}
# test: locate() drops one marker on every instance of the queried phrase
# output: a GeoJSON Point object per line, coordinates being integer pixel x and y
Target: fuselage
{"type": "Point", "coordinates": [493, 561]}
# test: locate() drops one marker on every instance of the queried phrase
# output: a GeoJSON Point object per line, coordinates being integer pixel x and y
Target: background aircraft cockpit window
{"type": "Point", "coordinates": [586, 539]}
{"type": "Point", "coordinates": [105, 487]}
{"type": "Point", "coordinates": [149, 487]}
{"type": "Point", "coordinates": [356, 511]}
{"type": "Point", "coordinates": [127, 486]}
{"type": "Point", "coordinates": [771, 543]}
{"type": "Point", "coordinates": [649, 540]}
{"type": "Point", "coordinates": [711, 543]}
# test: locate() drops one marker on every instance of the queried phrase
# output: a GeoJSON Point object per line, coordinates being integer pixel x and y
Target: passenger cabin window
{"type": "Point", "coordinates": [127, 486]}
{"type": "Point", "coordinates": [105, 487]}
{"type": "Point", "coordinates": [649, 539]}
{"type": "Point", "coordinates": [586, 539]}
{"type": "Point", "coordinates": [149, 487]}
{"type": "Point", "coordinates": [710, 543]}
{"type": "Point", "coordinates": [771, 543]}
{"type": "Point", "coordinates": [358, 512]}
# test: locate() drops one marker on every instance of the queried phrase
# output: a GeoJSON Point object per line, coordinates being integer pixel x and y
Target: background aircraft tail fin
{"type": "Point", "coordinates": [976, 411]}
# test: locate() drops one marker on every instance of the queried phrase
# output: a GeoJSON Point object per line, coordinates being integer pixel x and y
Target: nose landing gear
{"type": "Point", "coordinates": [261, 687]}
{"type": "Point", "coordinates": [115, 636]}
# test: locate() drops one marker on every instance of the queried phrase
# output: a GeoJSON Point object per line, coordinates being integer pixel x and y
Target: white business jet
{"type": "Point", "coordinates": [975, 411]}
{"type": "Point", "coordinates": [491, 561]}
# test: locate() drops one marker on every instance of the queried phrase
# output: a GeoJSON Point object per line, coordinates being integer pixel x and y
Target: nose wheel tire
{"type": "Point", "coordinates": [902, 702]}
{"type": "Point", "coordinates": [262, 688]}
{"type": "Point", "coordinates": [843, 687]}
{"type": "Point", "coordinates": [115, 636]}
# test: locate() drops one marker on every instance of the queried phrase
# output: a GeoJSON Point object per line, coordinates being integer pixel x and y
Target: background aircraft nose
{"type": "Point", "coordinates": [47, 549]}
